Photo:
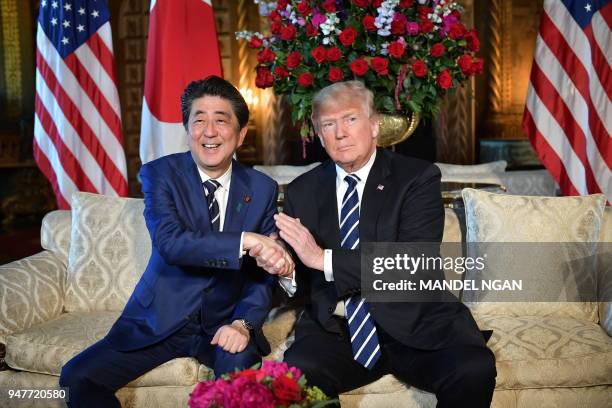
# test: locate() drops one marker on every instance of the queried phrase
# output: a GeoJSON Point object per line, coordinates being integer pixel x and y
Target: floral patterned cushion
{"type": "Point", "coordinates": [31, 292]}
{"type": "Point", "coordinates": [522, 219]}
{"type": "Point", "coordinates": [46, 347]}
{"type": "Point", "coordinates": [542, 352]}
{"type": "Point", "coordinates": [109, 251]}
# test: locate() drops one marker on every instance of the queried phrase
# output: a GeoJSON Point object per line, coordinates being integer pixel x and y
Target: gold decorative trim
{"type": "Point", "coordinates": [12, 57]}
{"type": "Point", "coordinates": [496, 56]}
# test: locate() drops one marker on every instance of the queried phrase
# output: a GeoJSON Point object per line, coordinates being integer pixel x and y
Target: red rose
{"type": "Point", "coordinates": [249, 373]}
{"type": "Point", "coordinates": [437, 50]}
{"type": "Point", "coordinates": [398, 27]}
{"type": "Point", "coordinates": [396, 49]}
{"type": "Point", "coordinates": [329, 6]}
{"type": "Point", "coordinates": [255, 42]}
{"type": "Point", "coordinates": [426, 26]}
{"type": "Point", "coordinates": [456, 13]}
{"type": "Point", "coordinates": [377, 3]}
{"type": "Point", "coordinates": [335, 74]}
{"type": "Point", "coordinates": [318, 54]}
{"type": "Point", "coordinates": [287, 33]}
{"type": "Point", "coordinates": [419, 67]}
{"type": "Point", "coordinates": [368, 23]}
{"type": "Point", "coordinates": [266, 55]}
{"type": "Point", "coordinates": [333, 54]}
{"type": "Point", "coordinates": [465, 63]}
{"type": "Point", "coordinates": [294, 59]}
{"type": "Point", "coordinates": [424, 11]}
{"type": "Point", "coordinates": [347, 36]}
{"type": "Point", "coordinates": [264, 78]}
{"type": "Point", "coordinates": [276, 27]}
{"type": "Point", "coordinates": [281, 4]}
{"type": "Point", "coordinates": [274, 16]}
{"type": "Point", "coordinates": [287, 390]}
{"type": "Point", "coordinates": [406, 3]}
{"type": "Point", "coordinates": [473, 42]}
{"type": "Point", "coordinates": [362, 3]}
{"type": "Point", "coordinates": [303, 8]}
{"type": "Point", "coordinates": [311, 31]}
{"type": "Point", "coordinates": [477, 66]}
{"type": "Point", "coordinates": [280, 72]}
{"type": "Point", "coordinates": [359, 67]}
{"type": "Point", "coordinates": [457, 31]}
{"type": "Point", "coordinates": [445, 80]}
{"type": "Point", "coordinates": [380, 65]}
{"type": "Point", "coordinates": [305, 79]}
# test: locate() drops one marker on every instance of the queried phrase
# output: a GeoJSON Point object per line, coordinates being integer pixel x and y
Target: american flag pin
{"type": "Point", "coordinates": [380, 187]}
{"type": "Point", "coordinates": [246, 198]}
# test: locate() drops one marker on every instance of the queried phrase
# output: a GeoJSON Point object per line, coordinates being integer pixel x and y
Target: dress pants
{"type": "Point", "coordinates": [94, 375]}
{"type": "Point", "coordinates": [461, 376]}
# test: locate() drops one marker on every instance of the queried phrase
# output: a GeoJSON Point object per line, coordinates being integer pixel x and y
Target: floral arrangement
{"type": "Point", "coordinates": [273, 385]}
{"type": "Point", "coordinates": [409, 53]}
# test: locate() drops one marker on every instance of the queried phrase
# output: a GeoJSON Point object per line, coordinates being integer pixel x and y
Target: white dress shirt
{"type": "Point", "coordinates": [341, 187]}
{"type": "Point", "coordinates": [221, 195]}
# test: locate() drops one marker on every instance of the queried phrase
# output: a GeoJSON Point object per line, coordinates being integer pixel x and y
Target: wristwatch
{"type": "Point", "coordinates": [246, 324]}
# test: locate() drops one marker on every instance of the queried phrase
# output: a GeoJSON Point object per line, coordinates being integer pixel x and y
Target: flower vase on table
{"type": "Point", "coordinates": [409, 53]}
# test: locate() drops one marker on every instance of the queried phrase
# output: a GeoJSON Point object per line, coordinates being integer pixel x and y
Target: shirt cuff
{"type": "Point", "coordinates": [240, 251]}
{"type": "Point", "coordinates": [327, 265]}
{"type": "Point", "coordinates": [288, 284]}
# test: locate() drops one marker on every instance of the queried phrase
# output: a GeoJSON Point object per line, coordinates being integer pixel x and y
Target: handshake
{"type": "Point", "coordinates": [270, 253]}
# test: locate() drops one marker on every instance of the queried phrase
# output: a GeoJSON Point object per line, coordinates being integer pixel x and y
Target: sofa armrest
{"type": "Point", "coordinates": [605, 317]}
{"type": "Point", "coordinates": [31, 291]}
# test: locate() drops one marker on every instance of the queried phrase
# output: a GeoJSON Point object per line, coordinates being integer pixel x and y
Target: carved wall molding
{"type": "Point", "coordinates": [512, 29]}
{"type": "Point", "coordinates": [454, 128]}
{"type": "Point", "coordinates": [12, 46]}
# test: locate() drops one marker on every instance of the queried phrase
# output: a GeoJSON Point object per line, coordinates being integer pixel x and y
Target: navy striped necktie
{"type": "Point", "coordinates": [210, 186]}
{"type": "Point", "coordinates": [364, 339]}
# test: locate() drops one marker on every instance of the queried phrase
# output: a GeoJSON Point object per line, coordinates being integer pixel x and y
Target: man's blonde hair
{"type": "Point", "coordinates": [347, 90]}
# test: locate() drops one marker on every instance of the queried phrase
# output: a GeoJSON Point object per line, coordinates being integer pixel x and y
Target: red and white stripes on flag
{"type": "Point", "coordinates": [78, 143]}
{"type": "Point", "coordinates": [568, 113]}
{"type": "Point", "coordinates": [182, 47]}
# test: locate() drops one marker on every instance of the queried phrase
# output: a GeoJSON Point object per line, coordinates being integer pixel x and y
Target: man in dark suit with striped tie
{"type": "Point", "coordinates": [365, 194]}
{"type": "Point", "coordinates": [200, 295]}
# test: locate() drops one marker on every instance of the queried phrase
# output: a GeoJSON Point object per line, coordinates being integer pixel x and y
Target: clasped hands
{"type": "Point", "coordinates": [270, 253]}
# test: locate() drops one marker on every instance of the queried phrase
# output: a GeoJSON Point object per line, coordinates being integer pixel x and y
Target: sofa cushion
{"type": "Point", "coordinates": [46, 347]}
{"type": "Point", "coordinates": [496, 167]}
{"type": "Point", "coordinates": [109, 250]}
{"type": "Point", "coordinates": [55, 233]}
{"type": "Point", "coordinates": [545, 352]}
{"type": "Point", "coordinates": [502, 218]}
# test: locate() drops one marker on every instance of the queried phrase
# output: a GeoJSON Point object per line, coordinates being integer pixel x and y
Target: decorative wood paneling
{"type": "Point", "coordinates": [512, 29]}
{"type": "Point", "coordinates": [454, 128]}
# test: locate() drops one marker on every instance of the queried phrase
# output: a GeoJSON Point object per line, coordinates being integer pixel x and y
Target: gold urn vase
{"type": "Point", "coordinates": [395, 128]}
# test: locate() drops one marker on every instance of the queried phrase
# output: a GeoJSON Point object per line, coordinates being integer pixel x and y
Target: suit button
{"type": "Point", "coordinates": [331, 309]}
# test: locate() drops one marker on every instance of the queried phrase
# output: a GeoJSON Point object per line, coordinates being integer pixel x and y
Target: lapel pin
{"type": "Point", "coordinates": [380, 187]}
{"type": "Point", "coordinates": [246, 198]}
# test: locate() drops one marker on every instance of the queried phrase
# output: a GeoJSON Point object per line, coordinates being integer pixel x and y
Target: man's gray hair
{"type": "Point", "coordinates": [352, 90]}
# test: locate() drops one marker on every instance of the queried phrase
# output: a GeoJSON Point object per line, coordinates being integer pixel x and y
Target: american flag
{"type": "Point", "coordinates": [78, 143]}
{"type": "Point", "coordinates": [568, 113]}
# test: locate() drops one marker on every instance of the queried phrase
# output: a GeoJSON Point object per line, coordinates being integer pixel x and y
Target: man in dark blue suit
{"type": "Point", "coordinates": [201, 295]}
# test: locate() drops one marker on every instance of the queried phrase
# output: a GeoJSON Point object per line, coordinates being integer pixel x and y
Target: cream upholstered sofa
{"type": "Point", "coordinates": [55, 303]}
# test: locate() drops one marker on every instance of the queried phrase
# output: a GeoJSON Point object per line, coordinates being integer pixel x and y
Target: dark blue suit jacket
{"type": "Point", "coordinates": [192, 266]}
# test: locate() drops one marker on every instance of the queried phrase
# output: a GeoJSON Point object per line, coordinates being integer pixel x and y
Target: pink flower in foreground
{"type": "Point", "coordinates": [275, 369]}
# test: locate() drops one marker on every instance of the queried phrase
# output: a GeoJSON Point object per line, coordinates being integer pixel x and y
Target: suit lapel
{"type": "Point", "coordinates": [195, 193]}
{"type": "Point", "coordinates": [239, 199]}
{"type": "Point", "coordinates": [328, 207]}
{"type": "Point", "coordinates": [374, 194]}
